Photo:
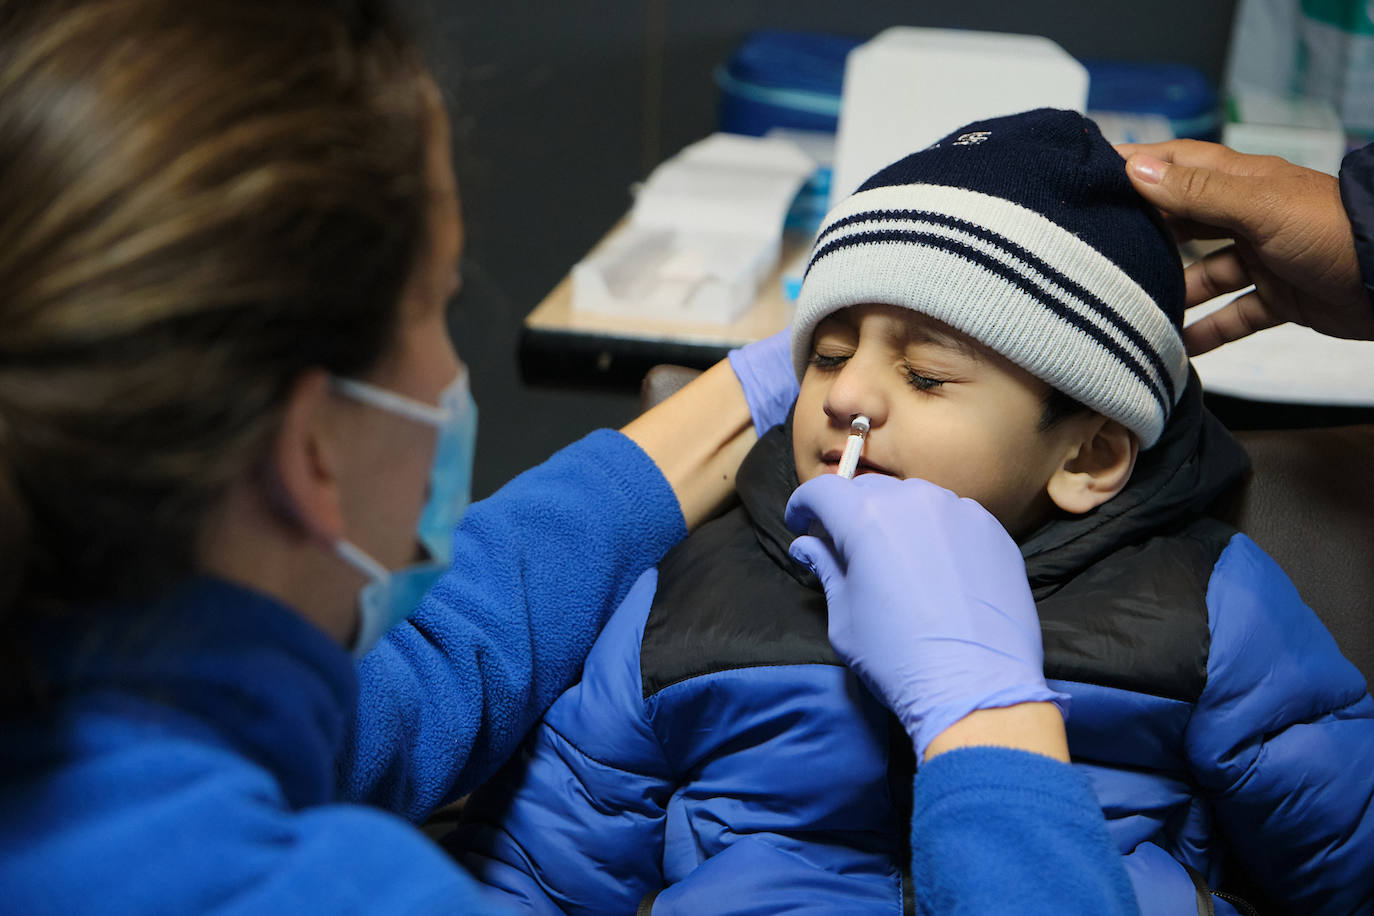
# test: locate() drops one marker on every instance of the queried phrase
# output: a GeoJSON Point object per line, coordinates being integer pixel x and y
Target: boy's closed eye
{"type": "Point", "coordinates": [920, 379]}
{"type": "Point", "coordinates": [922, 382]}
{"type": "Point", "coordinates": [828, 362]}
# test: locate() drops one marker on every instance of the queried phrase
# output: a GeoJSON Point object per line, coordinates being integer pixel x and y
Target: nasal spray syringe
{"type": "Point", "coordinates": [849, 461]}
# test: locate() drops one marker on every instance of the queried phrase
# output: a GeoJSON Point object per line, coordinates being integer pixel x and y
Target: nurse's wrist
{"type": "Point", "coordinates": [1034, 727]}
{"type": "Point", "coordinates": [698, 437]}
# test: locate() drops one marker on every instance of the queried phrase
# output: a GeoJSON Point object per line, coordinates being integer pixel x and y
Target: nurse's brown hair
{"type": "Point", "coordinates": [199, 200]}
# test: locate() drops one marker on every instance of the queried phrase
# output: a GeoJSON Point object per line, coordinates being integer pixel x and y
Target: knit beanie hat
{"type": "Point", "coordinates": [1024, 233]}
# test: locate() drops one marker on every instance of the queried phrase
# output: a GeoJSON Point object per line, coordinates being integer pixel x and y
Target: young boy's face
{"type": "Point", "coordinates": [942, 407]}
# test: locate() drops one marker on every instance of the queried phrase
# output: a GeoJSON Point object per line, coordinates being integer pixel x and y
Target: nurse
{"type": "Point", "coordinates": [234, 438]}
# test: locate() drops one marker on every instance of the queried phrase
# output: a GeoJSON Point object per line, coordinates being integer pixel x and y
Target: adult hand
{"type": "Point", "coordinates": [765, 372]}
{"type": "Point", "coordinates": [1293, 240]}
{"type": "Point", "coordinates": [928, 598]}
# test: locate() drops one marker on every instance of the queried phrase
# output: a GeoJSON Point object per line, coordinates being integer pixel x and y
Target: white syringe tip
{"type": "Point", "coordinates": [849, 461]}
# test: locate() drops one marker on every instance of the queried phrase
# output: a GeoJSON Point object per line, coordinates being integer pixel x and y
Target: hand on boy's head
{"type": "Point", "coordinates": [1293, 240]}
{"type": "Point", "coordinates": [927, 597]}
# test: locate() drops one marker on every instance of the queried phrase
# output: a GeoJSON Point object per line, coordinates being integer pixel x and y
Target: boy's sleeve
{"type": "Point", "coordinates": [1282, 740]}
{"type": "Point", "coordinates": [537, 568]}
{"type": "Point", "coordinates": [574, 824]}
{"type": "Point", "coordinates": [995, 828]}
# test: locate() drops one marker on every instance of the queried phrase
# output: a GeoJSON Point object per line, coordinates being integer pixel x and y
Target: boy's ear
{"type": "Point", "coordinates": [1097, 465]}
{"type": "Point", "coordinates": [303, 465]}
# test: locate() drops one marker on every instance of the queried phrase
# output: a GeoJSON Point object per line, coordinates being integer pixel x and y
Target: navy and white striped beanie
{"type": "Point", "coordinates": [1024, 233]}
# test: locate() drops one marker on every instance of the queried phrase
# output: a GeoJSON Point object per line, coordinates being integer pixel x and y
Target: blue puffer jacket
{"type": "Point", "coordinates": [1212, 713]}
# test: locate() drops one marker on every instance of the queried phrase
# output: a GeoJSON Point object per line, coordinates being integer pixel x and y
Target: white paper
{"type": "Point", "coordinates": [705, 229]}
{"type": "Point", "coordinates": [1289, 364]}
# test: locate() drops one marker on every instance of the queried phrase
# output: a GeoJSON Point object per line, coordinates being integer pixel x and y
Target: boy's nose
{"type": "Point", "coordinates": [854, 392]}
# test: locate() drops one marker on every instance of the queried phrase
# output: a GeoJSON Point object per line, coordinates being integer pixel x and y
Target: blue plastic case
{"type": "Point", "coordinates": [786, 79]}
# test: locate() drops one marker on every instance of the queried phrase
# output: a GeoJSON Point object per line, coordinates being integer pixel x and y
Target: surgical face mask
{"type": "Point", "coordinates": [391, 596]}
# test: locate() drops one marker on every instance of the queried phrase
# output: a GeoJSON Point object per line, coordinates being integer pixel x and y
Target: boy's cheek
{"type": "Point", "coordinates": [803, 459]}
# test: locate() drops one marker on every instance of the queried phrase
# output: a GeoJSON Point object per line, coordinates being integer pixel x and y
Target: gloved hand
{"type": "Point", "coordinates": [928, 598]}
{"type": "Point", "coordinates": [765, 372]}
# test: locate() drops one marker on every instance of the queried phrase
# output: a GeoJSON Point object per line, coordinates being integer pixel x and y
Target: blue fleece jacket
{"type": "Point", "coordinates": [189, 762]}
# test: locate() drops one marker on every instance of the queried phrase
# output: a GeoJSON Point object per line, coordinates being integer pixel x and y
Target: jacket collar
{"type": "Point", "coordinates": [765, 482]}
{"type": "Point", "coordinates": [1193, 463]}
{"type": "Point", "coordinates": [252, 671]}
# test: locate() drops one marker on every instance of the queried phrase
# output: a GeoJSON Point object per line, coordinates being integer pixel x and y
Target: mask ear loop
{"type": "Point", "coordinates": [376, 574]}
{"type": "Point", "coordinates": [392, 402]}
{"type": "Point", "coordinates": [375, 397]}
{"type": "Point", "coordinates": [355, 557]}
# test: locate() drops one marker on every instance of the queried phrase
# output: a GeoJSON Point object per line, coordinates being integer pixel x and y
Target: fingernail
{"type": "Point", "coordinates": [1146, 168]}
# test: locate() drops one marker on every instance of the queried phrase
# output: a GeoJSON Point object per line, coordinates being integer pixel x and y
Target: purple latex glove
{"type": "Point", "coordinates": [765, 372]}
{"type": "Point", "coordinates": [928, 598]}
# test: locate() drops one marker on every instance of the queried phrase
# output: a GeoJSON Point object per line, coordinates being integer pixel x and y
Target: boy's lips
{"type": "Point", "coordinates": [832, 459]}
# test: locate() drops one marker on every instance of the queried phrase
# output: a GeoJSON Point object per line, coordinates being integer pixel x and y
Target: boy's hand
{"type": "Point", "coordinates": [928, 598]}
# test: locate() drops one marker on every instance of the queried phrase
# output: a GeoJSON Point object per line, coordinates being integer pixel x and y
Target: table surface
{"type": "Point", "coordinates": [560, 344]}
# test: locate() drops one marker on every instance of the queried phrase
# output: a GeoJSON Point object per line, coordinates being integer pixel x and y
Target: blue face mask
{"type": "Point", "coordinates": [391, 596]}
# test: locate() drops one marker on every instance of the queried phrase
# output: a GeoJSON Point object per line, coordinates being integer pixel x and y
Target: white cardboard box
{"type": "Point", "coordinates": [705, 230]}
{"type": "Point", "coordinates": [908, 87]}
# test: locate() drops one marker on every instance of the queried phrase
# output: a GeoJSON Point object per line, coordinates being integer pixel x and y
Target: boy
{"type": "Point", "coordinates": [1005, 311]}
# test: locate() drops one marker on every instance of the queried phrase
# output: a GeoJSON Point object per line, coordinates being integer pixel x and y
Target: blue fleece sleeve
{"type": "Point", "coordinates": [346, 859]}
{"type": "Point", "coordinates": [1282, 740]}
{"type": "Point", "coordinates": [159, 817]}
{"type": "Point", "coordinates": [537, 568]}
{"type": "Point", "coordinates": [574, 824]}
{"type": "Point", "coordinates": [994, 828]}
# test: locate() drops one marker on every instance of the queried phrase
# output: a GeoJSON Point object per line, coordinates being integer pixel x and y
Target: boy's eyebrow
{"type": "Point", "coordinates": [925, 333]}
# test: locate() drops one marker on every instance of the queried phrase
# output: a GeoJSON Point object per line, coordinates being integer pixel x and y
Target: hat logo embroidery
{"type": "Point", "coordinates": [973, 138]}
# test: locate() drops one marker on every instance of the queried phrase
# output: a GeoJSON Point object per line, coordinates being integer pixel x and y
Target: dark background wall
{"type": "Point", "coordinates": [560, 106]}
